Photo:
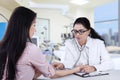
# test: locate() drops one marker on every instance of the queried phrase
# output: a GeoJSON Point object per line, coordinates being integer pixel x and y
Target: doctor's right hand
{"type": "Point", "coordinates": [57, 65]}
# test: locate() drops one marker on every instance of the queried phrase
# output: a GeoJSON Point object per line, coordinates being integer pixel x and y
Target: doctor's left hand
{"type": "Point", "coordinates": [88, 69]}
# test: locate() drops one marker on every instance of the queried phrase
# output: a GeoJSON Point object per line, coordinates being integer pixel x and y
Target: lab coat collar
{"type": "Point", "coordinates": [89, 42]}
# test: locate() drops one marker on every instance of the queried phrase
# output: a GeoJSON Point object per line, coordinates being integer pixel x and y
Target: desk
{"type": "Point", "coordinates": [113, 75]}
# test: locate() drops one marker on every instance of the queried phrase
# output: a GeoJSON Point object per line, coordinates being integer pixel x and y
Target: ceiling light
{"type": "Point", "coordinates": [79, 2]}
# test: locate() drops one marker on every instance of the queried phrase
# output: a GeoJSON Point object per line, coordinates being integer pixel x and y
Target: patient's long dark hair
{"type": "Point", "coordinates": [14, 41]}
{"type": "Point", "coordinates": [86, 23]}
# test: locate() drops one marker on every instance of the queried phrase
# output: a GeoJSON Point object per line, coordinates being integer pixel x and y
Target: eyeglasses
{"type": "Point", "coordinates": [78, 31]}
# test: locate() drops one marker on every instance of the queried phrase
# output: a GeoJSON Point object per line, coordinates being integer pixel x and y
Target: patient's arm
{"type": "Point", "coordinates": [60, 73]}
{"type": "Point", "coordinates": [57, 65]}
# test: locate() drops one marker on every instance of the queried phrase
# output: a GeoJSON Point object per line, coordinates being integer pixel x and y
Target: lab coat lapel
{"type": "Point", "coordinates": [91, 50]}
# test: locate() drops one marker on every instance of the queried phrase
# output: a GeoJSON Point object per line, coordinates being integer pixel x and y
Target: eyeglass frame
{"type": "Point", "coordinates": [81, 32]}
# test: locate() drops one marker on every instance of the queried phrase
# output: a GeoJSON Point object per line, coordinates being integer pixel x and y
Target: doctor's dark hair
{"type": "Point", "coordinates": [86, 23]}
{"type": "Point", "coordinates": [14, 41]}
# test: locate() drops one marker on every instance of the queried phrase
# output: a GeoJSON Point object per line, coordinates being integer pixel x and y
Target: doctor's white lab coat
{"type": "Point", "coordinates": [94, 53]}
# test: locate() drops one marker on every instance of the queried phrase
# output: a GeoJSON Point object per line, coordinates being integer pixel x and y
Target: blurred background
{"type": "Point", "coordinates": [55, 19]}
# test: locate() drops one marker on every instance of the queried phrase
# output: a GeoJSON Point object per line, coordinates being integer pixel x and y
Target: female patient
{"type": "Point", "coordinates": [86, 49]}
{"type": "Point", "coordinates": [19, 58]}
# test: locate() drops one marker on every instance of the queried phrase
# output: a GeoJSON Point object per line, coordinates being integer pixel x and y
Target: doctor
{"type": "Point", "coordinates": [86, 49]}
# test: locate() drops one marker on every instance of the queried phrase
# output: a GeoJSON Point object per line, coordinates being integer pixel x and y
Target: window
{"type": "Point", "coordinates": [106, 22]}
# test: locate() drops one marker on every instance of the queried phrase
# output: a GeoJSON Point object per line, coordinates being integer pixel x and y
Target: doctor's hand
{"type": "Point", "coordinates": [77, 69]}
{"type": "Point", "coordinates": [88, 69]}
{"type": "Point", "coordinates": [57, 65]}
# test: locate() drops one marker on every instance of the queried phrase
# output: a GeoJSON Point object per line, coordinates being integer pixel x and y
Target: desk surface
{"type": "Point", "coordinates": [113, 75]}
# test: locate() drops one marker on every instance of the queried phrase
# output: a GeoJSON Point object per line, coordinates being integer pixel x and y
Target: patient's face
{"type": "Point", "coordinates": [32, 29]}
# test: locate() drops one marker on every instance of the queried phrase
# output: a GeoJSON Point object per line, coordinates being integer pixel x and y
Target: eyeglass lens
{"type": "Point", "coordinates": [79, 31]}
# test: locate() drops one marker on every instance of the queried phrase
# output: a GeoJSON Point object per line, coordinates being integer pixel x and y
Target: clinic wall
{"type": "Point", "coordinates": [89, 13]}
{"type": "Point", "coordinates": [59, 21]}
{"type": "Point", "coordinates": [4, 12]}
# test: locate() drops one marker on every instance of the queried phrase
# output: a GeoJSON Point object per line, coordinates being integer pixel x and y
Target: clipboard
{"type": "Point", "coordinates": [93, 74]}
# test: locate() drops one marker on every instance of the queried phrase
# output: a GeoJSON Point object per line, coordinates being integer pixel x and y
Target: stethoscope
{"type": "Point", "coordinates": [80, 50]}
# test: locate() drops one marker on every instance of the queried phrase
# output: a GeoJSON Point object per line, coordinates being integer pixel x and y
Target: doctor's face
{"type": "Point", "coordinates": [80, 33]}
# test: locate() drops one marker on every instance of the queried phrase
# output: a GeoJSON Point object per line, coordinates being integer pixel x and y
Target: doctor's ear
{"type": "Point", "coordinates": [89, 31]}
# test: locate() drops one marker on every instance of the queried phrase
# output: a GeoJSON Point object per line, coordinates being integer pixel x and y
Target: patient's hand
{"type": "Point", "coordinates": [57, 65]}
{"type": "Point", "coordinates": [37, 74]}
